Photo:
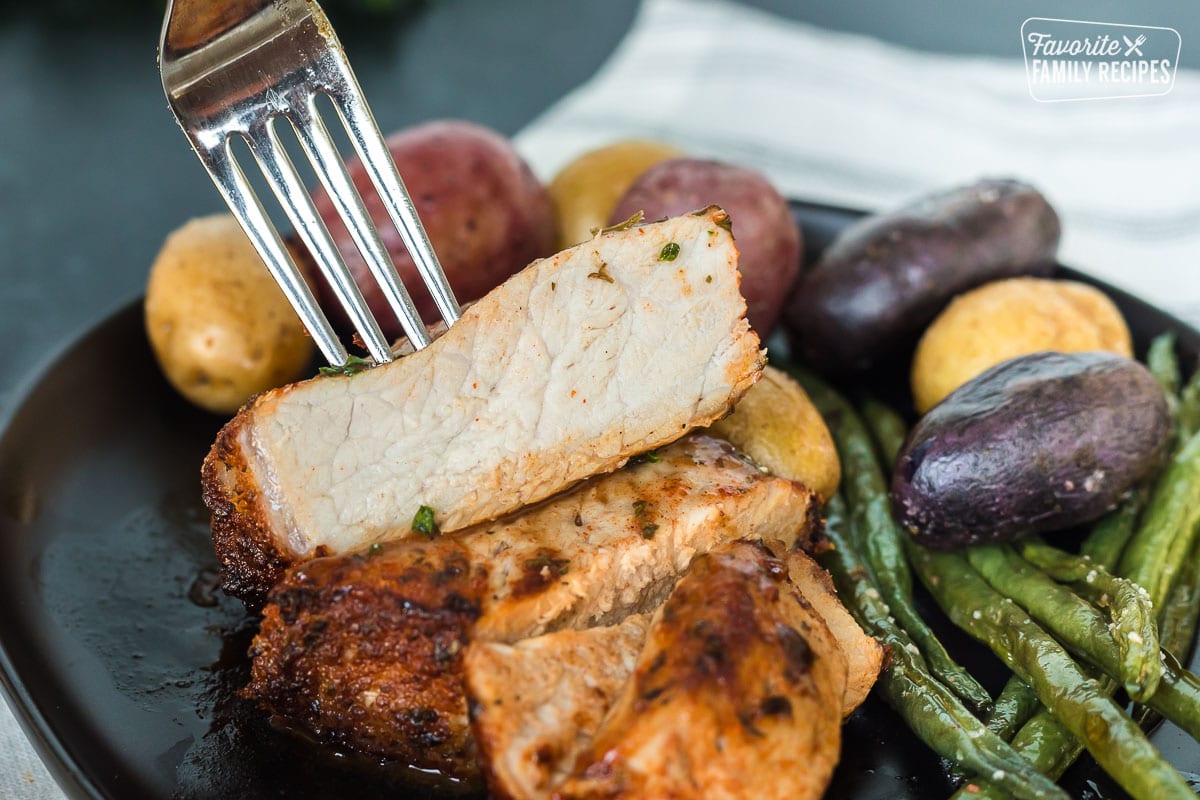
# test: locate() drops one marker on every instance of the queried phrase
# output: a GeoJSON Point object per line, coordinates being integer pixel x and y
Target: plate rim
{"type": "Point", "coordinates": [67, 773]}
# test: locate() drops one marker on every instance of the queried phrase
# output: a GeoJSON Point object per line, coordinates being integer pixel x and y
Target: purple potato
{"type": "Point", "coordinates": [768, 238]}
{"type": "Point", "coordinates": [1038, 443]}
{"type": "Point", "coordinates": [884, 279]}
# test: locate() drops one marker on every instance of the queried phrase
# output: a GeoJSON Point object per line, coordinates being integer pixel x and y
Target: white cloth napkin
{"type": "Point", "coordinates": [848, 120]}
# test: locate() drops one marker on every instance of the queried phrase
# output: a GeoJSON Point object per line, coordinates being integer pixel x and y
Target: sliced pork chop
{"type": "Point", "coordinates": [618, 544]}
{"type": "Point", "coordinates": [864, 655]}
{"type": "Point", "coordinates": [365, 650]}
{"type": "Point", "coordinates": [737, 693]}
{"type": "Point", "coordinates": [535, 705]}
{"type": "Point", "coordinates": [564, 371]}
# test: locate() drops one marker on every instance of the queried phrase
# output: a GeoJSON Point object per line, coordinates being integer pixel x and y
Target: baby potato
{"type": "Point", "coordinates": [886, 277]}
{"type": "Point", "coordinates": [768, 240]}
{"type": "Point", "coordinates": [1040, 443]}
{"type": "Point", "coordinates": [586, 190]}
{"type": "Point", "coordinates": [1095, 305]}
{"type": "Point", "coordinates": [486, 214]}
{"type": "Point", "coordinates": [218, 323]}
{"type": "Point", "coordinates": [1011, 318]}
{"type": "Point", "coordinates": [777, 425]}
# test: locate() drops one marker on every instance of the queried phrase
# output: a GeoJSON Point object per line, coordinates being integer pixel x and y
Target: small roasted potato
{"type": "Point", "coordinates": [1102, 312]}
{"type": "Point", "coordinates": [1009, 318]}
{"type": "Point", "coordinates": [886, 277]}
{"type": "Point", "coordinates": [486, 214]}
{"type": "Point", "coordinates": [218, 323]}
{"type": "Point", "coordinates": [1039, 443]}
{"type": "Point", "coordinates": [777, 425]}
{"type": "Point", "coordinates": [768, 238]}
{"type": "Point", "coordinates": [586, 190]}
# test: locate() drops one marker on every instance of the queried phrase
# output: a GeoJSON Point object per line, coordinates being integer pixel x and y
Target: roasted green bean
{"type": "Point", "coordinates": [1083, 630]}
{"type": "Point", "coordinates": [1015, 704]}
{"type": "Point", "coordinates": [1043, 740]}
{"type": "Point", "coordinates": [1111, 534]}
{"type": "Point", "coordinates": [878, 536]}
{"type": "Point", "coordinates": [1189, 407]}
{"type": "Point", "coordinates": [1075, 698]}
{"type": "Point", "coordinates": [1177, 623]}
{"type": "Point", "coordinates": [933, 713]}
{"type": "Point", "coordinates": [1164, 366]}
{"type": "Point", "coordinates": [1133, 618]}
{"type": "Point", "coordinates": [1178, 616]}
{"type": "Point", "coordinates": [1168, 528]}
{"type": "Point", "coordinates": [888, 429]}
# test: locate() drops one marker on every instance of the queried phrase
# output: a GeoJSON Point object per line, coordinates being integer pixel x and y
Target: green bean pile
{"type": "Point", "coordinates": [1072, 628]}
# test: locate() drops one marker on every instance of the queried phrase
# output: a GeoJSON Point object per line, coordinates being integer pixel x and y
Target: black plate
{"type": "Point", "coordinates": [123, 666]}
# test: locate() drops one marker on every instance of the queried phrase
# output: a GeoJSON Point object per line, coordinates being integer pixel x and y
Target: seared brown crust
{"type": "Point", "coordinates": [753, 631]}
{"type": "Point", "coordinates": [811, 536]}
{"type": "Point", "coordinates": [738, 693]}
{"type": "Point", "coordinates": [252, 561]}
{"type": "Point", "coordinates": [611, 547]}
{"type": "Point", "coordinates": [365, 652]}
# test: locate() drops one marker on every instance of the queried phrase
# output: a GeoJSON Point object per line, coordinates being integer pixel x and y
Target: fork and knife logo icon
{"type": "Point", "coordinates": [1134, 46]}
{"type": "Point", "coordinates": [1076, 59]}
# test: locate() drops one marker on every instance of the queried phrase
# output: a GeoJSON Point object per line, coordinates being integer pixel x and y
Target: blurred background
{"type": "Point", "coordinates": [94, 172]}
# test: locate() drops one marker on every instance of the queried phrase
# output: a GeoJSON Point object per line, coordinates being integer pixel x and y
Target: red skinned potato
{"type": "Point", "coordinates": [768, 239]}
{"type": "Point", "coordinates": [486, 214]}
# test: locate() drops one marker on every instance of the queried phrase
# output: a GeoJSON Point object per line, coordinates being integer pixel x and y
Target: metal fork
{"type": "Point", "coordinates": [232, 69]}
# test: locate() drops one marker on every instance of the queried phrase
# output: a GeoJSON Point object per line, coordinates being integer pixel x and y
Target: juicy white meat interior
{"type": "Point", "coordinates": [540, 701]}
{"type": "Point", "coordinates": [564, 371]}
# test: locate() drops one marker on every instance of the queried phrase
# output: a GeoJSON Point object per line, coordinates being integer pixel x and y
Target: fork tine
{"type": "Point", "coordinates": [332, 172]}
{"type": "Point", "coordinates": [290, 191]}
{"type": "Point", "coordinates": [243, 202]}
{"type": "Point", "coordinates": [372, 150]}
